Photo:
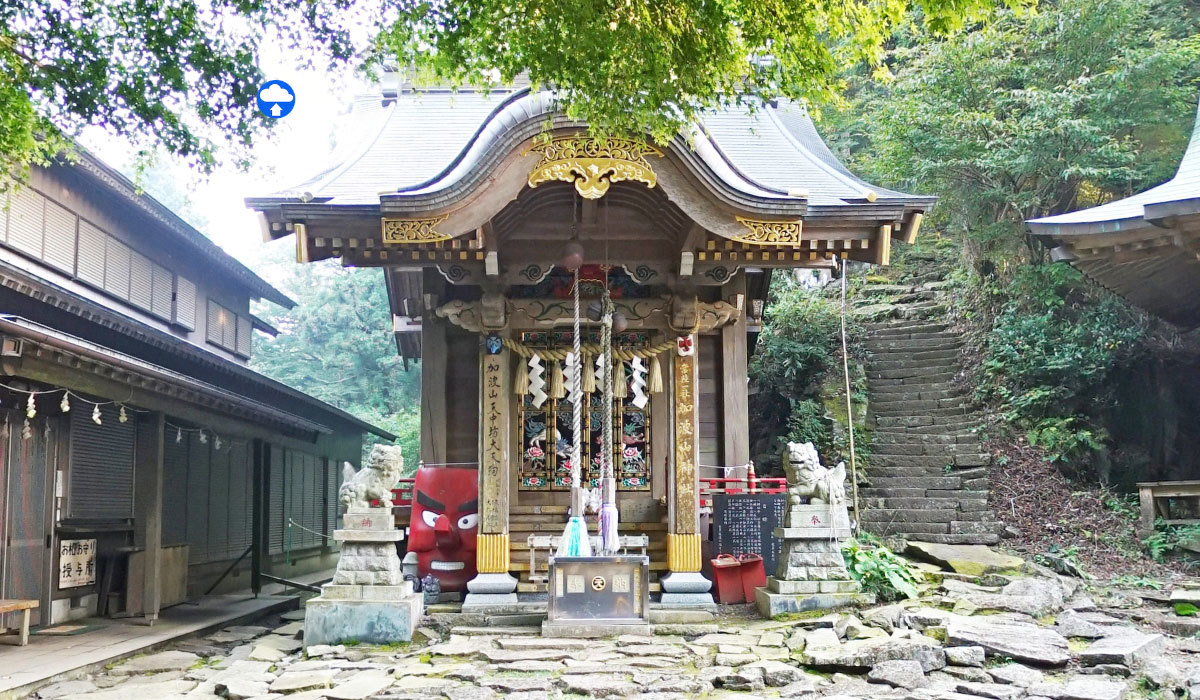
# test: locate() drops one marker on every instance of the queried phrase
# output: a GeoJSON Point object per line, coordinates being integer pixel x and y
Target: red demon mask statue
{"type": "Point", "coordinates": [445, 520]}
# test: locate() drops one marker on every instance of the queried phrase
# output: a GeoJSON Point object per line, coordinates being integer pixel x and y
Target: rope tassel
{"type": "Point", "coordinates": [620, 387]}
{"type": "Point", "coordinates": [558, 388]}
{"type": "Point", "coordinates": [656, 380]}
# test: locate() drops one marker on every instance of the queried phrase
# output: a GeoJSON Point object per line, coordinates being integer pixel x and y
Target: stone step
{"type": "Point", "coordinates": [884, 438]}
{"type": "Point", "coordinates": [872, 492]}
{"type": "Point", "coordinates": [973, 527]}
{"type": "Point", "coordinates": [990, 538]}
{"type": "Point", "coordinates": [913, 395]}
{"type": "Point", "coordinates": [903, 502]}
{"type": "Point", "coordinates": [941, 380]}
{"type": "Point", "coordinates": [900, 528]}
{"type": "Point", "coordinates": [920, 450]}
{"type": "Point", "coordinates": [911, 406]}
{"type": "Point", "coordinates": [881, 363]}
{"type": "Point", "coordinates": [885, 344]}
{"type": "Point", "coordinates": [926, 373]}
{"type": "Point", "coordinates": [923, 421]}
{"type": "Point", "coordinates": [883, 388]}
{"type": "Point", "coordinates": [898, 409]}
{"type": "Point", "coordinates": [909, 461]}
{"type": "Point", "coordinates": [890, 503]}
{"type": "Point", "coordinates": [877, 472]}
{"type": "Point", "coordinates": [900, 327]}
{"type": "Point", "coordinates": [918, 482]}
{"type": "Point", "coordinates": [946, 354]}
{"type": "Point", "coordinates": [892, 345]}
{"type": "Point", "coordinates": [909, 516]}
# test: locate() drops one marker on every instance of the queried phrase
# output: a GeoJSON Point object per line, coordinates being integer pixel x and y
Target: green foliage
{"type": "Point", "coordinates": [1132, 581]}
{"type": "Point", "coordinates": [797, 367]}
{"type": "Point", "coordinates": [1186, 609]}
{"type": "Point", "coordinates": [880, 571]}
{"type": "Point", "coordinates": [653, 67]}
{"type": "Point", "coordinates": [1034, 113]}
{"type": "Point", "coordinates": [1052, 343]}
{"type": "Point", "coordinates": [1126, 505]}
{"type": "Point", "coordinates": [174, 72]}
{"type": "Point", "coordinates": [1166, 539]}
{"type": "Point", "coordinates": [336, 345]}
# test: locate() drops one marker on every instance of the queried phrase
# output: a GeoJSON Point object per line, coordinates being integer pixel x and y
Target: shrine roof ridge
{"type": "Point", "coordinates": [768, 158]}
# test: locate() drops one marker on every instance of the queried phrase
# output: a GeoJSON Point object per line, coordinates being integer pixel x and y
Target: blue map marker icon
{"type": "Point", "coordinates": [276, 99]}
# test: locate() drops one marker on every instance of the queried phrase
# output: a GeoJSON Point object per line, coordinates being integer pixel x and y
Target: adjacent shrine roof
{"type": "Point", "coordinates": [1145, 247]}
{"type": "Point", "coordinates": [421, 142]}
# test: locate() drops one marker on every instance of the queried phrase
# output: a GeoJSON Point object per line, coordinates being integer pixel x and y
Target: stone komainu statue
{"type": "Point", "coordinates": [375, 482]}
{"type": "Point", "coordinates": [808, 479]}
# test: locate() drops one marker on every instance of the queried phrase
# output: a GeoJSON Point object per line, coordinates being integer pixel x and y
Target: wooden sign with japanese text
{"type": "Point", "coordinates": [76, 563]}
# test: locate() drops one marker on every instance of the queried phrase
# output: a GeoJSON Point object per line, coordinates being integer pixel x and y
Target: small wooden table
{"type": "Point", "coordinates": [22, 606]}
{"type": "Point", "coordinates": [1155, 499]}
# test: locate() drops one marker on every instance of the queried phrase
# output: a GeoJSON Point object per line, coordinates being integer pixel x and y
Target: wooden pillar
{"type": "Point", "coordinates": [683, 540]}
{"type": "Point", "coordinates": [735, 393]}
{"type": "Point", "coordinates": [433, 391]}
{"type": "Point", "coordinates": [495, 390]}
{"type": "Point", "coordinates": [883, 245]}
{"type": "Point", "coordinates": [148, 498]}
{"type": "Point", "coordinates": [258, 511]}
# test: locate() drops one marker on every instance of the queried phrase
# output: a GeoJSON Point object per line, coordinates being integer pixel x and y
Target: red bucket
{"type": "Point", "coordinates": [728, 578]}
{"type": "Point", "coordinates": [753, 575]}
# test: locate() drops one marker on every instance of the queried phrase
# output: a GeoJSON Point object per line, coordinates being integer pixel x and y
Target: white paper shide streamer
{"type": "Point", "coordinates": [637, 383]}
{"type": "Point", "coordinates": [537, 381]}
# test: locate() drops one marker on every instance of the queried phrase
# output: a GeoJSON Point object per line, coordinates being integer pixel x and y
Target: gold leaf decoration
{"type": "Point", "coordinates": [593, 164]}
{"type": "Point", "coordinates": [400, 231]}
{"type": "Point", "coordinates": [777, 233]}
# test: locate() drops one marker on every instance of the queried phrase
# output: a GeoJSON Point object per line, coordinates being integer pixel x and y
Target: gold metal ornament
{"type": "Point", "coordinates": [776, 233]}
{"type": "Point", "coordinates": [593, 164]}
{"type": "Point", "coordinates": [401, 231]}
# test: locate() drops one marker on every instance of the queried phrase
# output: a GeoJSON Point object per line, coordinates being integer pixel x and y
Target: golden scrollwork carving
{"type": "Point", "coordinates": [400, 231]}
{"type": "Point", "coordinates": [777, 233]}
{"type": "Point", "coordinates": [593, 164]}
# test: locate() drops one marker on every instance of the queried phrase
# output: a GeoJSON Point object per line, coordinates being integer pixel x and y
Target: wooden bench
{"type": "Point", "coordinates": [22, 606]}
{"type": "Point", "coordinates": [1156, 498]}
{"type": "Point", "coordinates": [550, 544]}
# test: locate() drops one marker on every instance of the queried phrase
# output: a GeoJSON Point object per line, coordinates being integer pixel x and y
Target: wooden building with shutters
{"type": "Point", "coordinates": [140, 456]}
{"type": "Point", "coordinates": [468, 199]}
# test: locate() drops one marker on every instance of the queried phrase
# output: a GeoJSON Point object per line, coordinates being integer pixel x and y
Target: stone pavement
{"type": "Point", "coordinates": [1035, 638]}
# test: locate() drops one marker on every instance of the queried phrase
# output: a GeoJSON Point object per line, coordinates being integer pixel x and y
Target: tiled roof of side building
{"type": "Point", "coordinates": [96, 170]}
{"type": "Point", "coordinates": [1184, 189]}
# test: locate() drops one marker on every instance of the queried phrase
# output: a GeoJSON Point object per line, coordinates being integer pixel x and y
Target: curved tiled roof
{"type": "Point", "coordinates": [424, 142]}
{"type": "Point", "coordinates": [1182, 191]}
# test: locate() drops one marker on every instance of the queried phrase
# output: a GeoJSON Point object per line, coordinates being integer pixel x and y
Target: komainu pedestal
{"type": "Point", "coordinates": [811, 573]}
{"type": "Point", "coordinates": [368, 600]}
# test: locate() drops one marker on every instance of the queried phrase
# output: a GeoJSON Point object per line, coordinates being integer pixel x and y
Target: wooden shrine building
{"type": "Point", "coordinates": [467, 200]}
{"type": "Point", "coordinates": [1145, 248]}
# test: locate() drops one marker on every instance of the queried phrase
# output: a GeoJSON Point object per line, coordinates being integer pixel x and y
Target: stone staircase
{"type": "Point", "coordinates": [928, 472]}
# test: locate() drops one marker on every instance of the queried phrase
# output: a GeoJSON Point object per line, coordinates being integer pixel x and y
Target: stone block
{"type": "Point", "coordinates": [368, 535]}
{"type": "Point", "coordinates": [373, 519]}
{"type": "Point", "coordinates": [771, 604]}
{"type": "Point", "coordinates": [335, 591]}
{"type": "Point", "coordinates": [593, 630]}
{"type": "Point", "coordinates": [792, 587]}
{"type": "Point", "coordinates": [332, 621]}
